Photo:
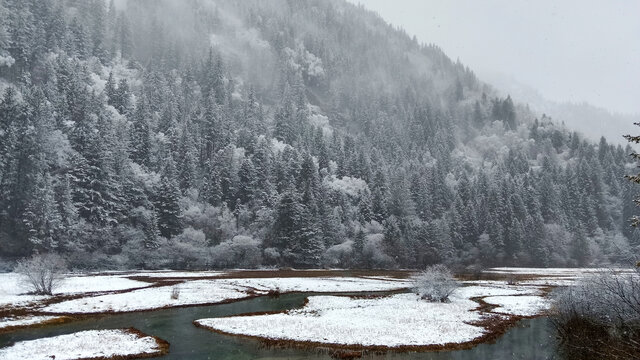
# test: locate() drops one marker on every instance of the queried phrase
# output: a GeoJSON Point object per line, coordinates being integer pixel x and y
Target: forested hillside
{"type": "Point", "coordinates": [201, 133]}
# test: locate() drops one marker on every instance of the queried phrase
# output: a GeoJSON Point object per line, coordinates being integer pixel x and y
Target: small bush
{"type": "Point", "coordinates": [436, 283]}
{"type": "Point", "coordinates": [274, 293]}
{"type": "Point", "coordinates": [175, 293]}
{"type": "Point", "coordinates": [42, 273]}
{"type": "Point", "coordinates": [600, 315]}
{"type": "Point", "coordinates": [606, 298]}
{"type": "Point", "coordinates": [240, 252]}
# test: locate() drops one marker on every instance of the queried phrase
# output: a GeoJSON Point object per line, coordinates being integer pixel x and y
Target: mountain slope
{"type": "Point", "coordinates": [289, 133]}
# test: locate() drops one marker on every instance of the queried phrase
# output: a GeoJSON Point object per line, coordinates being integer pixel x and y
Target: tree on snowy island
{"type": "Point", "coordinates": [42, 272]}
{"type": "Point", "coordinates": [436, 283]}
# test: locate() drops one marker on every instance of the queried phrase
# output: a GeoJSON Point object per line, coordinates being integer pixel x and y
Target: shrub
{"type": "Point", "coordinates": [600, 315]}
{"type": "Point", "coordinates": [339, 255]}
{"type": "Point", "coordinates": [240, 252]}
{"type": "Point", "coordinates": [42, 273]}
{"type": "Point", "coordinates": [436, 283]}
{"type": "Point", "coordinates": [606, 298]}
{"type": "Point", "coordinates": [175, 293]}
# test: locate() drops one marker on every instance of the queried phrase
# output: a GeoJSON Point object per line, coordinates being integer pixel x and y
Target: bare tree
{"type": "Point", "coordinates": [436, 283]}
{"type": "Point", "coordinates": [42, 272]}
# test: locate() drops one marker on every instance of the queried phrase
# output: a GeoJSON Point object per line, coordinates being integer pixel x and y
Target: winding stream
{"type": "Point", "coordinates": [531, 339]}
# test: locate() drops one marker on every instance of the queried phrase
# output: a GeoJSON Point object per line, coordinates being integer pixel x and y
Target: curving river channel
{"type": "Point", "coordinates": [530, 339]}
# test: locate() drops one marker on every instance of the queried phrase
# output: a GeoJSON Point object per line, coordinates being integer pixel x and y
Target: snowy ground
{"type": "Point", "coordinates": [189, 293]}
{"type": "Point", "coordinates": [395, 321]}
{"type": "Point", "coordinates": [176, 274]}
{"type": "Point", "coordinates": [194, 292]}
{"type": "Point", "coordinates": [322, 284]}
{"type": "Point", "coordinates": [519, 305]}
{"type": "Point", "coordinates": [84, 345]}
{"type": "Point", "coordinates": [497, 289]}
{"type": "Point", "coordinates": [13, 291]}
{"type": "Point", "coordinates": [96, 283]}
{"type": "Point", "coordinates": [21, 321]}
{"type": "Point", "coordinates": [548, 276]}
{"type": "Point", "coordinates": [570, 272]}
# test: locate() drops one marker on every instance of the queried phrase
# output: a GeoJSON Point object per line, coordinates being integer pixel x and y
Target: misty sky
{"type": "Point", "coordinates": [569, 50]}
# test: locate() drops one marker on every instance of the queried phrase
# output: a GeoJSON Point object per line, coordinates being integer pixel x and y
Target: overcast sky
{"type": "Point", "coordinates": [569, 50]}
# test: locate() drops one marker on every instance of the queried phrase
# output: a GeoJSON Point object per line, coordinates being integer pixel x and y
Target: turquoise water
{"type": "Point", "coordinates": [530, 339]}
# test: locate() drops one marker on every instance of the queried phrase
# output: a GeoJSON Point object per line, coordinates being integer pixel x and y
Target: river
{"type": "Point", "coordinates": [530, 339]}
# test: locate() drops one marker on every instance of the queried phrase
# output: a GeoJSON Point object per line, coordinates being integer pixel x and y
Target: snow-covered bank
{"type": "Point", "coordinates": [401, 320]}
{"type": "Point", "coordinates": [172, 274]}
{"type": "Point", "coordinates": [196, 292]}
{"type": "Point", "coordinates": [394, 321]}
{"type": "Point", "coordinates": [550, 276]}
{"type": "Point", "coordinates": [495, 289]}
{"type": "Point", "coordinates": [187, 293]}
{"type": "Point", "coordinates": [14, 291]}
{"type": "Point", "coordinates": [23, 321]}
{"type": "Point", "coordinates": [322, 284]}
{"type": "Point", "coordinates": [571, 272]}
{"type": "Point", "coordinates": [519, 305]}
{"type": "Point", "coordinates": [97, 283]}
{"type": "Point", "coordinates": [103, 344]}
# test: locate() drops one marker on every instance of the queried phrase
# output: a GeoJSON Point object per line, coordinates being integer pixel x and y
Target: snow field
{"type": "Point", "coordinates": [189, 293]}
{"type": "Point", "coordinates": [196, 292]}
{"type": "Point", "coordinates": [21, 321]}
{"type": "Point", "coordinates": [83, 345]}
{"type": "Point", "coordinates": [322, 284]}
{"type": "Point", "coordinates": [13, 290]}
{"type": "Point", "coordinates": [393, 321]}
{"type": "Point", "coordinates": [519, 305]}
{"type": "Point", "coordinates": [176, 274]}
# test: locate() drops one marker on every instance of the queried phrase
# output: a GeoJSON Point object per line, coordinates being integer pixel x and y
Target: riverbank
{"type": "Point", "coordinates": [490, 306]}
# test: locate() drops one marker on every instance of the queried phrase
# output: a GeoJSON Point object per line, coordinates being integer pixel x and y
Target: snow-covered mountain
{"type": "Point", "coordinates": [166, 133]}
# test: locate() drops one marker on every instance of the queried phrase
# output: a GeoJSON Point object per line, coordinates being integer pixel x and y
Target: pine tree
{"type": "Point", "coordinates": [247, 185]}
{"type": "Point", "coordinates": [141, 134]}
{"type": "Point", "coordinates": [263, 165]}
{"type": "Point", "coordinates": [122, 97]}
{"type": "Point", "coordinates": [284, 117]}
{"type": "Point", "coordinates": [98, 13]}
{"type": "Point", "coordinates": [41, 218]}
{"type": "Point", "coordinates": [287, 220]}
{"type": "Point", "coordinates": [20, 25]}
{"type": "Point", "coordinates": [79, 43]}
{"type": "Point", "coordinates": [211, 190]}
{"type": "Point", "coordinates": [110, 90]}
{"type": "Point", "coordinates": [187, 159]}
{"type": "Point", "coordinates": [580, 249]}
{"type": "Point", "coordinates": [125, 38]}
{"type": "Point", "coordinates": [394, 241]}
{"type": "Point", "coordinates": [167, 200]}
{"type": "Point", "coordinates": [25, 163]}
{"type": "Point", "coordinates": [151, 230]}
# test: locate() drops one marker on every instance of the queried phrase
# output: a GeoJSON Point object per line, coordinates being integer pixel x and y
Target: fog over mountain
{"type": "Point", "coordinates": [237, 134]}
{"type": "Point", "coordinates": [592, 121]}
{"type": "Point", "coordinates": [572, 53]}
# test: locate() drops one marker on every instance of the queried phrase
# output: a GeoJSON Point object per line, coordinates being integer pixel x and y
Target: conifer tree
{"type": "Point", "coordinates": [167, 199]}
